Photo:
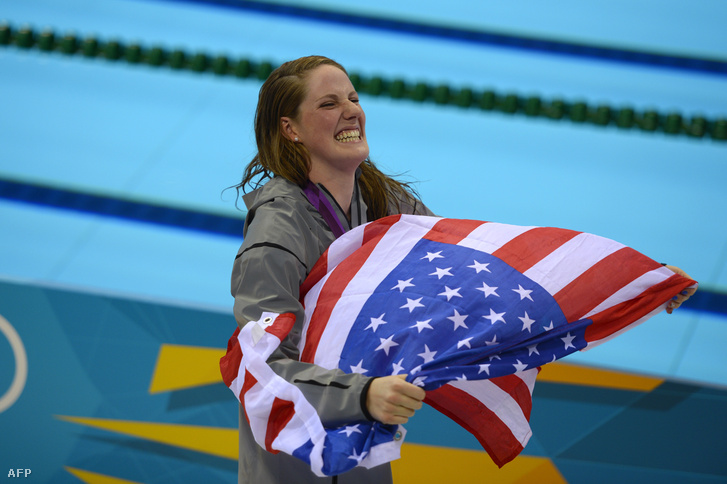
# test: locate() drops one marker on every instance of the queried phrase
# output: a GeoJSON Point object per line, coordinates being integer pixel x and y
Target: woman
{"type": "Point", "coordinates": [311, 137]}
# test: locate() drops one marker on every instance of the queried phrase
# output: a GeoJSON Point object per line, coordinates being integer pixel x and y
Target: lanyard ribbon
{"type": "Point", "coordinates": [324, 207]}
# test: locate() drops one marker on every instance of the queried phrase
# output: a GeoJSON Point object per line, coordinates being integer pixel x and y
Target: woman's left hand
{"type": "Point", "coordinates": [681, 297]}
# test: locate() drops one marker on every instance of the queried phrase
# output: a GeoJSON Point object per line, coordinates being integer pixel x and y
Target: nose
{"type": "Point", "coordinates": [352, 110]}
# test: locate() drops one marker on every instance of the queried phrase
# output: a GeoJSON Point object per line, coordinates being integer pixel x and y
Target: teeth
{"type": "Point", "coordinates": [347, 136]}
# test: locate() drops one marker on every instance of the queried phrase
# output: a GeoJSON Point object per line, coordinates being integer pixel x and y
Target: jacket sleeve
{"type": "Point", "coordinates": [279, 249]}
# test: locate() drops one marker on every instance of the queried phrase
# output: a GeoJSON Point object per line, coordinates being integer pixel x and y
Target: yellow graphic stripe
{"type": "Point", "coordinates": [94, 478]}
{"type": "Point", "coordinates": [179, 367]}
{"type": "Point", "coordinates": [582, 375]}
{"type": "Point", "coordinates": [423, 464]}
{"type": "Point", "coordinates": [221, 442]}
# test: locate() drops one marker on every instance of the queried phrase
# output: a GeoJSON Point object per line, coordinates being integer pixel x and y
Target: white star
{"type": "Point", "coordinates": [548, 328]}
{"type": "Point", "coordinates": [433, 255]}
{"type": "Point", "coordinates": [387, 344]}
{"type": "Point", "coordinates": [533, 349]}
{"type": "Point", "coordinates": [440, 273]}
{"type": "Point", "coordinates": [489, 291]}
{"type": "Point", "coordinates": [420, 325]}
{"type": "Point", "coordinates": [568, 340]}
{"type": "Point", "coordinates": [464, 342]}
{"type": "Point", "coordinates": [376, 322]}
{"type": "Point", "coordinates": [461, 378]}
{"type": "Point", "coordinates": [527, 322]}
{"type": "Point", "coordinates": [358, 458]}
{"type": "Point", "coordinates": [524, 293]}
{"type": "Point", "coordinates": [520, 366]}
{"type": "Point", "coordinates": [403, 284]}
{"type": "Point", "coordinates": [480, 267]}
{"type": "Point", "coordinates": [411, 304]}
{"type": "Point", "coordinates": [458, 320]}
{"type": "Point", "coordinates": [494, 356]}
{"type": "Point", "coordinates": [485, 367]}
{"type": "Point", "coordinates": [397, 367]}
{"type": "Point", "coordinates": [493, 343]}
{"type": "Point", "coordinates": [428, 355]}
{"type": "Point", "coordinates": [419, 381]}
{"type": "Point", "coordinates": [350, 429]}
{"type": "Point", "coordinates": [495, 317]}
{"type": "Point", "coordinates": [450, 293]}
{"type": "Point", "coordinates": [359, 368]}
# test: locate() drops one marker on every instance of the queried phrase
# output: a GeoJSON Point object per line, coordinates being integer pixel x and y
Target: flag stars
{"type": "Point", "coordinates": [450, 293]}
{"type": "Point", "coordinates": [359, 368]}
{"type": "Point", "coordinates": [568, 340]}
{"type": "Point", "coordinates": [440, 273]}
{"type": "Point", "coordinates": [357, 457]}
{"type": "Point", "coordinates": [495, 317]}
{"type": "Point", "coordinates": [401, 285]}
{"type": "Point", "coordinates": [420, 325]}
{"type": "Point", "coordinates": [412, 304]}
{"type": "Point", "coordinates": [433, 255]}
{"type": "Point", "coordinates": [493, 343]}
{"type": "Point", "coordinates": [484, 367]}
{"type": "Point", "coordinates": [376, 322]}
{"type": "Point", "coordinates": [524, 293]}
{"type": "Point", "coordinates": [458, 320]}
{"type": "Point", "coordinates": [488, 290]}
{"type": "Point", "coordinates": [350, 429]}
{"type": "Point", "coordinates": [548, 328]}
{"type": "Point", "coordinates": [519, 366]}
{"type": "Point", "coordinates": [478, 266]}
{"type": "Point", "coordinates": [527, 322]}
{"type": "Point", "coordinates": [387, 344]}
{"type": "Point", "coordinates": [428, 354]}
{"type": "Point", "coordinates": [533, 349]}
{"type": "Point", "coordinates": [398, 367]}
{"type": "Point", "coordinates": [464, 342]}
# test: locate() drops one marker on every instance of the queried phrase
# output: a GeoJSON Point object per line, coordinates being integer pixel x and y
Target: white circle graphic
{"type": "Point", "coordinates": [21, 365]}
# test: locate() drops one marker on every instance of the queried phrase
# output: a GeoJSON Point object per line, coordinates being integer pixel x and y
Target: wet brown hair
{"type": "Point", "coordinates": [280, 96]}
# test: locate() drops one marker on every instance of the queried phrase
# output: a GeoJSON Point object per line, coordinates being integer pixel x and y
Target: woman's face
{"type": "Point", "coordinates": [330, 122]}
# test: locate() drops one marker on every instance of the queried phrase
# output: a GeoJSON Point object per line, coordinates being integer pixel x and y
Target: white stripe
{"type": "Point", "coordinates": [388, 253]}
{"type": "Point", "coordinates": [501, 403]}
{"type": "Point", "coordinates": [305, 423]}
{"type": "Point", "coordinates": [632, 289]}
{"type": "Point", "coordinates": [570, 260]}
{"type": "Point", "coordinates": [490, 236]}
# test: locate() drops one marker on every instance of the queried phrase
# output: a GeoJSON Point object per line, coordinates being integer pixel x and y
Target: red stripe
{"type": "Point", "coordinates": [452, 231]}
{"type": "Point", "coordinates": [492, 433]}
{"type": "Point", "coordinates": [620, 316]}
{"type": "Point", "coordinates": [316, 274]}
{"type": "Point", "coordinates": [280, 414]}
{"type": "Point", "coordinates": [281, 326]}
{"type": "Point", "coordinates": [337, 282]}
{"type": "Point", "coordinates": [529, 248]}
{"type": "Point", "coordinates": [601, 281]}
{"type": "Point", "coordinates": [518, 390]}
{"type": "Point", "coordinates": [230, 363]}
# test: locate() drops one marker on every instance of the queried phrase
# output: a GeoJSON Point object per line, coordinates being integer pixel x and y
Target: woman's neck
{"type": "Point", "coordinates": [341, 187]}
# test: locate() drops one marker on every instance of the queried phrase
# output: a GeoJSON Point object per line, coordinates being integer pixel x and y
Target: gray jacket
{"type": "Point", "coordinates": [284, 236]}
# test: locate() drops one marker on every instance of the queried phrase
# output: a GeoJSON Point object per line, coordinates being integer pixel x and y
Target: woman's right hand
{"type": "Point", "coordinates": [392, 400]}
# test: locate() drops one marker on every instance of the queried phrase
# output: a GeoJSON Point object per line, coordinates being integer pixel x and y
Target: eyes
{"type": "Point", "coordinates": [332, 104]}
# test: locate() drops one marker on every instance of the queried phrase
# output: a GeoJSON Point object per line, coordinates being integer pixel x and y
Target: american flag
{"type": "Point", "coordinates": [469, 310]}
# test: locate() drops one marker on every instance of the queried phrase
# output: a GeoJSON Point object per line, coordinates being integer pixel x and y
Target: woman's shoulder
{"type": "Point", "coordinates": [275, 188]}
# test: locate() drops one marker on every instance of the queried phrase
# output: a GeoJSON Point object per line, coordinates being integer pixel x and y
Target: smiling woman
{"type": "Point", "coordinates": [319, 183]}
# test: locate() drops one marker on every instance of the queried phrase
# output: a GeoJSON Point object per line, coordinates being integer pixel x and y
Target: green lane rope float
{"type": "Point", "coordinates": [603, 115]}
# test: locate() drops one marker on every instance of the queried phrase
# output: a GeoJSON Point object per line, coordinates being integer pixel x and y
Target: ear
{"type": "Point", "coordinates": [288, 129]}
